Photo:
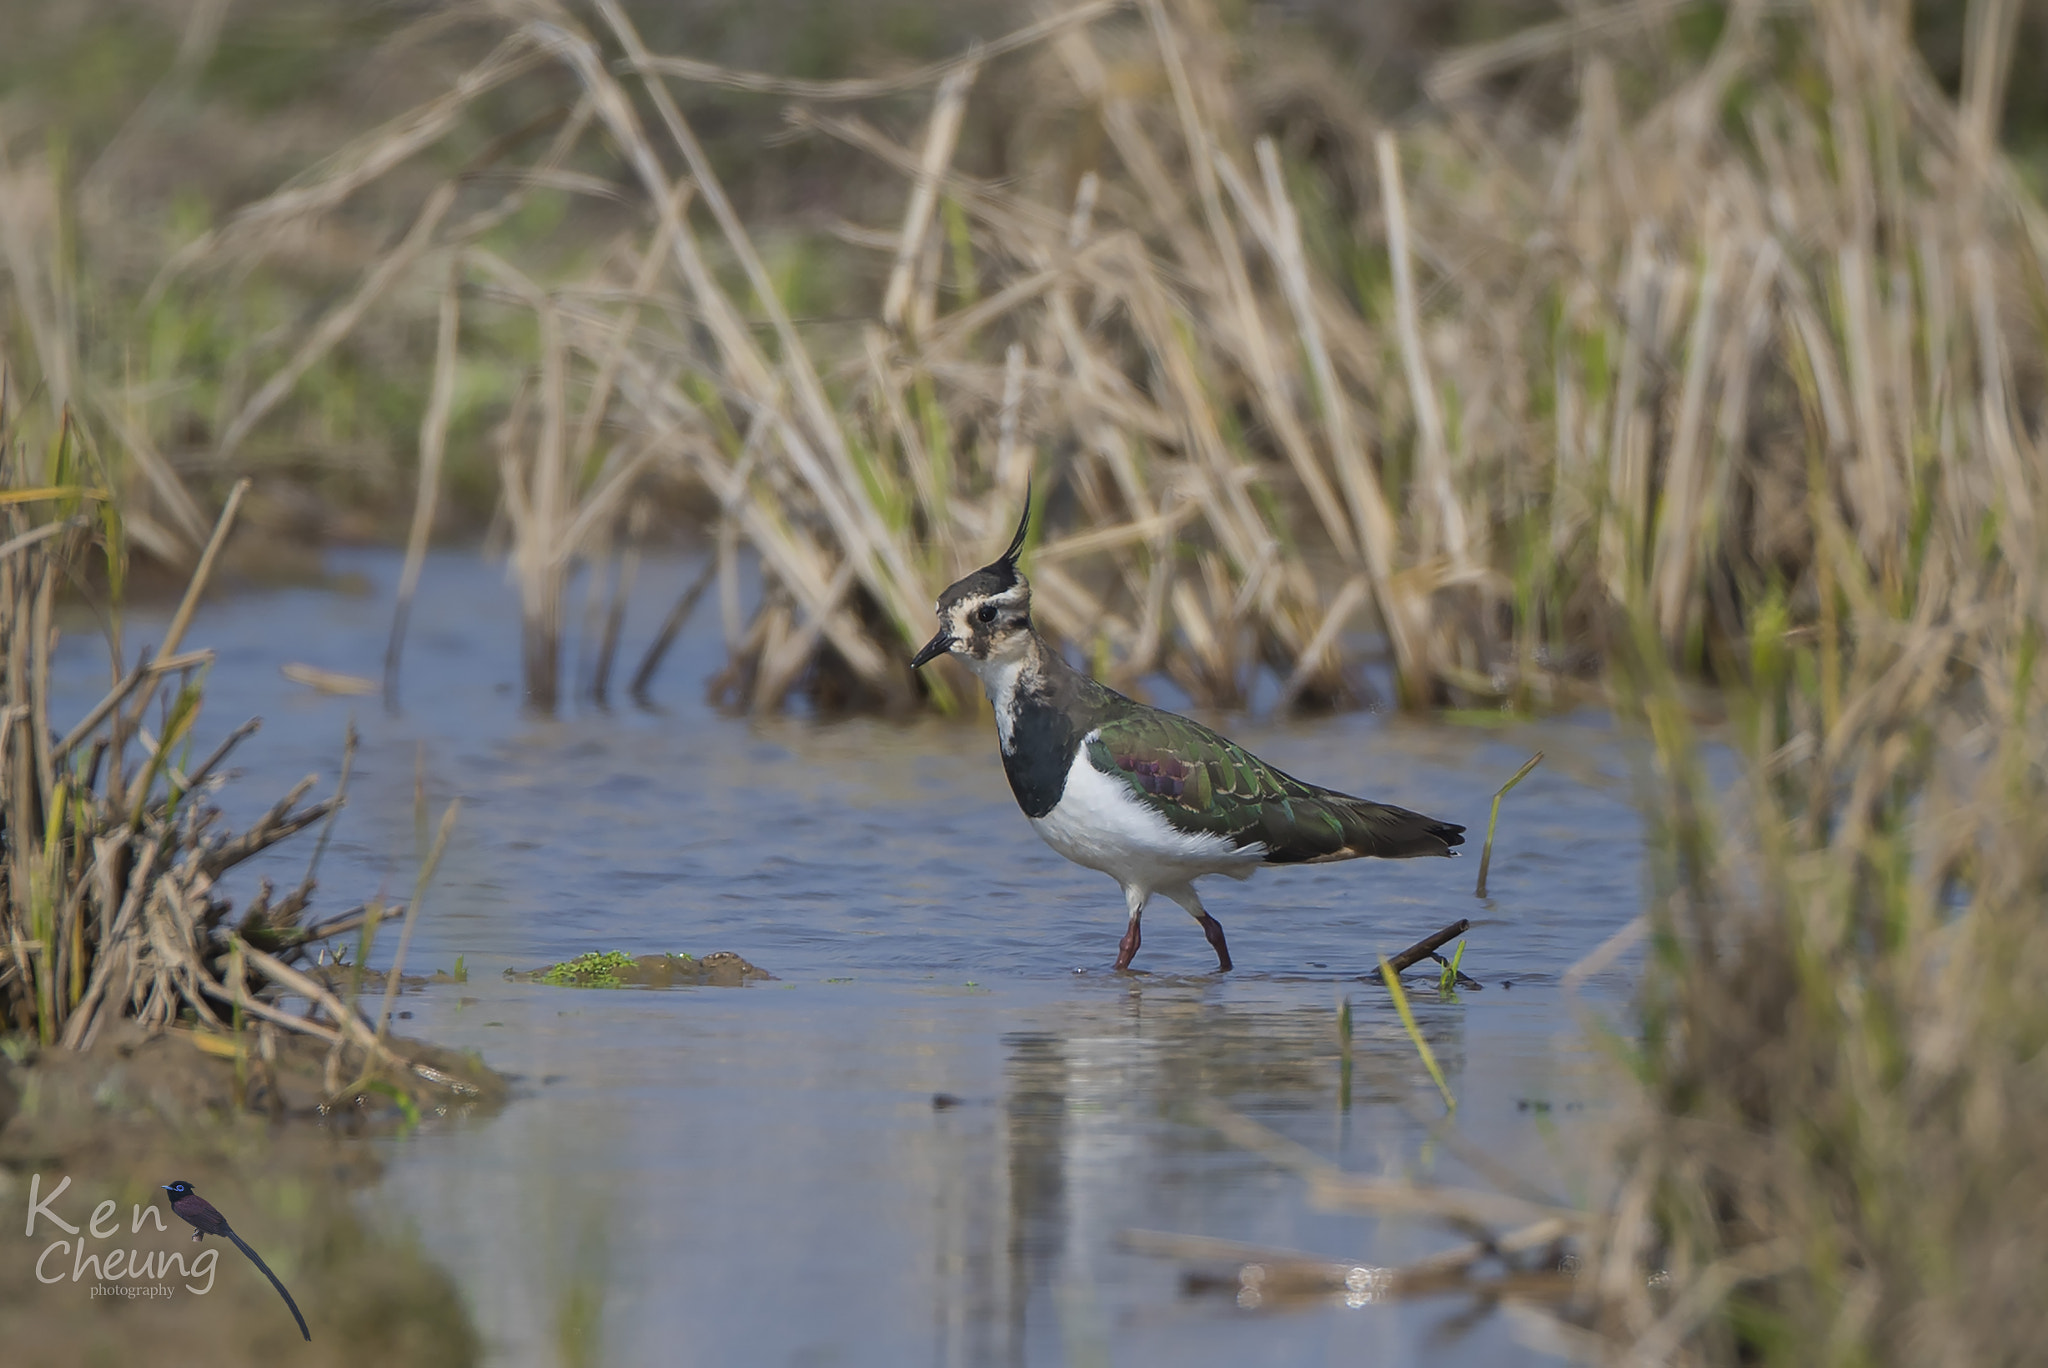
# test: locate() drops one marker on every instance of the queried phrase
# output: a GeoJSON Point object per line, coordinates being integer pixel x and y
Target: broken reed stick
{"type": "Point", "coordinates": [1425, 947]}
{"type": "Point", "coordinates": [33, 535]}
{"type": "Point", "coordinates": [257, 1007]}
{"type": "Point", "coordinates": [1291, 1272]}
{"type": "Point", "coordinates": [351, 1025]}
{"type": "Point", "coordinates": [207, 766]}
{"type": "Point", "coordinates": [1433, 456]}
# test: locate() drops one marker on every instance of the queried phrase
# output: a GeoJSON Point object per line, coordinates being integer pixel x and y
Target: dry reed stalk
{"type": "Point", "coordinates": [433, 447]}
{"type": "Point", "coordinates": [854, 521]}
{"type": "Point", "coordinates": [1433, 450]}
{"type": "Point", "coordinates": [426, 876]}
{"type": "Point", "coordinates": [942, 135]}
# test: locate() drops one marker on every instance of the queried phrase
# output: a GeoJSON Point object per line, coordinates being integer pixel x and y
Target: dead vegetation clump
{"type": "Point", "coordinates": [110, 852]}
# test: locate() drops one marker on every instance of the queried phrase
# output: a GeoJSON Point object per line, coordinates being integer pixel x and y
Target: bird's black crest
{"type": "Point", "coordinates": [1009, 557]}
{"type": "Point", "coordinates": [1000, 574]}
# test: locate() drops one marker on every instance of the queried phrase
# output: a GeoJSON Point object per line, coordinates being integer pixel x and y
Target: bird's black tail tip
{"type": "Point", "coordinates": [1450, 833]}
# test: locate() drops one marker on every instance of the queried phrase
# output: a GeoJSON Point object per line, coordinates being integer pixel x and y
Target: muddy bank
{"type": "Point", "coordinates": [256, 1137]}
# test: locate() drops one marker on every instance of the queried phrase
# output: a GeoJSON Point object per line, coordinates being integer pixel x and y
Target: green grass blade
{"type": "Point", "coordinates": [1447, 982]}
{"type": "Point", "coordinates": [1400, 996]}
{"type": "Point", "coordinates": [1493, 819]}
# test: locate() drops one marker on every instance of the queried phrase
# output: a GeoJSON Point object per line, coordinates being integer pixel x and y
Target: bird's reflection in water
{"type": "Point", "coordinates": [1097, 1131]}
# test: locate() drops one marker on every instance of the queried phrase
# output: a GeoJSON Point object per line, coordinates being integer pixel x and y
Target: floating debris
{"type": "Point", "coordinates": [327, 681]}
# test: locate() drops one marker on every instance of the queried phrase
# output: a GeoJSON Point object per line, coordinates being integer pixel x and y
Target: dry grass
{"type": "Point", "coordinates": [110, 854]}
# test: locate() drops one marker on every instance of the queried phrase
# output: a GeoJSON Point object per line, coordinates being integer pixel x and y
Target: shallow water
{"type": "Point", "coordinates": [760, 1175]}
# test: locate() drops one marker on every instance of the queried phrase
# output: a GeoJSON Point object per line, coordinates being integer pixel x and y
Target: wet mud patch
{"type": "Point", "coordinates": [267, 1144]}
{"type": "Point", "coordinates": [617, 969]}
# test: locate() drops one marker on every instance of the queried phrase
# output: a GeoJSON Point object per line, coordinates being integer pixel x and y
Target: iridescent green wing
{"type": "Point", "coordinates": [1202, 782]}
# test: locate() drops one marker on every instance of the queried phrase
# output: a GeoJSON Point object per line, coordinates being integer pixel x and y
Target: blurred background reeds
{"type": "Point", "coordinates": [1634, 299]}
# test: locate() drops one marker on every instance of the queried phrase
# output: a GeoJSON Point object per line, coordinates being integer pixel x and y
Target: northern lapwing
{"type": "Point", "coordinates": [1150, 798]}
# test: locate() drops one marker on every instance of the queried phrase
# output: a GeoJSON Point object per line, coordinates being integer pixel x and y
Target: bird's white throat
{"type": "Point", "coordinates": [1001, 677]}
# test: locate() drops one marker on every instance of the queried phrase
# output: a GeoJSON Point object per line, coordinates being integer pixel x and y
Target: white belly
{"type": "Point", "coordinates": [1101, 824]}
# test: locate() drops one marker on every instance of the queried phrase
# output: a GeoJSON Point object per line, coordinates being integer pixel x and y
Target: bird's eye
{"type": "Point", "coordinates": [987, 613]}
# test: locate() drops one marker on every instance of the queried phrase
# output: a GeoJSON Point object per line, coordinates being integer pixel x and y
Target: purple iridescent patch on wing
{"type": "Point", "coordinates": [1165, 777]}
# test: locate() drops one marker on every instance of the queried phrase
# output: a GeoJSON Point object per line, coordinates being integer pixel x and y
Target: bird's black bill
{"type": "Point", "coordinates": [933, 649]}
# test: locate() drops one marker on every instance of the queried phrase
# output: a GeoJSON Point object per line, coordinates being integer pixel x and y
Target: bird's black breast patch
{"type": "Point", "coordinates": [1043, 743]}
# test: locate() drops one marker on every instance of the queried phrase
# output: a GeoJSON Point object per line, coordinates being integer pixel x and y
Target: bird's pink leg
{"type": "Point", "coordinates": [1127, 948]}
{"type": "Point", "coordinates": [1211, 928]}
